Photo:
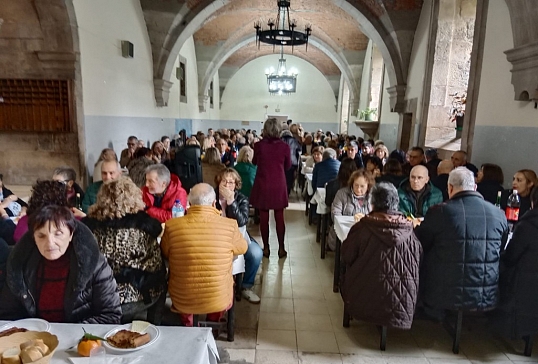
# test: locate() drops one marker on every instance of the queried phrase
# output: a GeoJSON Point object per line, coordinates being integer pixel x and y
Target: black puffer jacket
{"type": "Point", "coordinates": [382, 259]}
{"type": "Point", "coordinates": [238, 210]}
{"type": "Point", "coordinates": [517, 314]}
{"type": "Point", "coordinates": [90, 294]}
{"type": "Point", "coordinates": [462, 241]}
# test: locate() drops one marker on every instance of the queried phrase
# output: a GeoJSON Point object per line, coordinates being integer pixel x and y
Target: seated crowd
{"type": "Point", "coordinates": [431, 234]}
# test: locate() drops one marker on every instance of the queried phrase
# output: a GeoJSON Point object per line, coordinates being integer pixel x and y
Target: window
{"type": "Point", "coordinates": [36, 105]}
{"type": "Point", "coordinates": [211, 98]}
{"type": "Point", "coordinates": [182, 76]}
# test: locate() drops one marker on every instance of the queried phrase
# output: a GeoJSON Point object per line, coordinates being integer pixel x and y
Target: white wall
{"type": "Point", "coordinates": [190, 110]}
{"type": "Point", "coordinates": [113, 85]}
{"type": "Point", "coordinates": [506, 130]}
{"type": "Point", "coordinates": [496, 104]}
{"type": "Point", "coordinates": [246, 94]}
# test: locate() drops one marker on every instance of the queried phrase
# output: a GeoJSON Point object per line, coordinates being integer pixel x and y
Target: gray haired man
{"type": "Point", "coordinates": [462, 240]}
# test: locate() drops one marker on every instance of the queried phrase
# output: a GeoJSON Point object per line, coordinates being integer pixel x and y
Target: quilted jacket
{"type": "Point", "coordinates": [382, 257]}
{"type": "Point", "coordinates": [90, 293]}
{"type": "Point", "coordinates": [200, 247]}
{"type": "Point", "coordinates": [462, 241]}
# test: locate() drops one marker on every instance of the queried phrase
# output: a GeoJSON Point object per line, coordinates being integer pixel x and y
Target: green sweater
{"type": "Point", "coordinates": [90, 197]}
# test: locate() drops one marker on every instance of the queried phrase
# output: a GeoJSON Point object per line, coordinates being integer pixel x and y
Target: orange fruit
{"type": "Point", "coordinates": [85, 346]}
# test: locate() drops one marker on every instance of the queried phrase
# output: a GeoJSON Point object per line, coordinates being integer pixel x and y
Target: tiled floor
{"type": "Point", "coordinates": [299, 319]}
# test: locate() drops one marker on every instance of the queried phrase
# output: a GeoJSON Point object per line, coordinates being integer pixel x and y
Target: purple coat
{"type": "Point", "coordinates": [272, 156]}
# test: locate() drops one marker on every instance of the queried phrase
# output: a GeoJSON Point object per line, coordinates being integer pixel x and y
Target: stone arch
{"type": "Point", "coordinates": [376, 24]}
{"type": "Point", "coordinates": [227, 50]}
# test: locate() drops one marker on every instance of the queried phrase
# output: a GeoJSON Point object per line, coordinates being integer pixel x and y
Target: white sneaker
{"type": "Point", "coordinates": [250, 296]}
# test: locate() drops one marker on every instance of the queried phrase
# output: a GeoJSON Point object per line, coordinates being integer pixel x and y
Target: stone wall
{"type": "Point", "coordinates": [452, 63]}
{"type": "Point", "coordinates": [36, 42]}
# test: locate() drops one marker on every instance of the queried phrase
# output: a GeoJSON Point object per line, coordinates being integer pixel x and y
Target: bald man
{"type": "Point", "coordinates": [459, 159]}
{"type": "Point", "coordinates": [417, 194]}
{"type": "Point", "coordinates": [441, 181]}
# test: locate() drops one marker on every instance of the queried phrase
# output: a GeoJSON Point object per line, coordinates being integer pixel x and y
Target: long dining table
{"type": "Point", "coordinates": [175, 344]}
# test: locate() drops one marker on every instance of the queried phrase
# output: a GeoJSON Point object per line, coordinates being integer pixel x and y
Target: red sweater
{"type": "Point", "coordinates": [51, 281]}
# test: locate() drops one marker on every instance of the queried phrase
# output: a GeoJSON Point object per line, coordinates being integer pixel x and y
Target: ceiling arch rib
{"type": "Point", "coordinates": [208, 68]}
{"type": "Point", "coordinates": [389, 23]}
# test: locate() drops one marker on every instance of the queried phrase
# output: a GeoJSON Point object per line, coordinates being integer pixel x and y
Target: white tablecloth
{"type": "Point", "coordinates": [176, 344]}
{"type": "Point", "coordinates": [319, 198]}
{"type": "Point", "coordinates": [309, 189]}
{"type": "Point", "coordinates": [342, 225]}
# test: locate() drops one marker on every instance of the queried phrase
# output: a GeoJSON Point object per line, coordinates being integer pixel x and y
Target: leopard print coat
{"type": "Point", "coordinates": [131, 248]}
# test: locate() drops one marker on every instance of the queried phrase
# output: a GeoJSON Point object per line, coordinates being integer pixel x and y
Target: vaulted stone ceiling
{"type": "Point", "coordinates": [224, 37]}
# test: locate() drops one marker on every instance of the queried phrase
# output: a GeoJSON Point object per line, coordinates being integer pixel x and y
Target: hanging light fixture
{"type": "Point", "coordinates": [281, 81]}
{"type": "Point", "coordinates": [277, 34]}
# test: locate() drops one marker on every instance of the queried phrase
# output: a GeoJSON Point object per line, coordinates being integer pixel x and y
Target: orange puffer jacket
{"type": "Point", "coordinates": [200, 247]}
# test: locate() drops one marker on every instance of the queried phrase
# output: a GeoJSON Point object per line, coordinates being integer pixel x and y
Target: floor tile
{"type": "Point", "coordinates": [276, 357]}
{"type": "Point", "coordinates": [242, 355]}
{"type": "Point", "coordinates": [284, 305]}
{"type": "Point", "coordinates": [361, 359]}
{"type": "Point", "coordinates": [306, 292]}
{"type": "Point", "coordinates": [277, 340]}
{"type": "Point", "coordinates": [244, 339]}
{"type": "Point", "coordinates": [277, 321]}
{"type": "Point", "coordinates": [320, 358]}
{"type": "Point", "coordinates": [308, 306]}
{"type": "Point", "coordinates": [309, 322]}
{"type": "Point", "coordinates": [316, 342]}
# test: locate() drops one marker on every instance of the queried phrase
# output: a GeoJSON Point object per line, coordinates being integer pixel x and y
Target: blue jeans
{"type": "Point", "coordinates": [253, 257]}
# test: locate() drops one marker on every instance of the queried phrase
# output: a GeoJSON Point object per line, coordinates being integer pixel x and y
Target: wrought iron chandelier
{"type": "Point", "coordinates": [277, 34]}
{"type": "Point", "coordinates": [281, 81]}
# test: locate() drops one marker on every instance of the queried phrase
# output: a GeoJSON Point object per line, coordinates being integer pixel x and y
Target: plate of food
{"type": "Point", "coordinates": [29, 324]}
{"type": "Point", "coordinates": [131, 337]}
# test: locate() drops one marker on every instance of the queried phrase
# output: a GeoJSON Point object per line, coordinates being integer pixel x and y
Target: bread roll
{"type": "Point", "coordinates": [31, 354]}
{"type": "Point", "coordinates": [28, 344]}
{"type": "Point", "coordinates": [11, 356]}
{"type": "Point", "coordinates": [42, 347]}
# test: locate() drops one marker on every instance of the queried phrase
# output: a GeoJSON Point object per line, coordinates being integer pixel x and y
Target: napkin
{"type": "Point", "coordinates": [110, 359]}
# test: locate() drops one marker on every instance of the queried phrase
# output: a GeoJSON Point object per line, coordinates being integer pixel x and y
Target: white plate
{"type": "Point", "coordinates": [152, 330]}
{"type": "Point", "coordinates": [31, 324]}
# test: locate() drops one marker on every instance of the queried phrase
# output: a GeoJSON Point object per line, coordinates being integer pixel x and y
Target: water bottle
{"type": "Point", "coordinates": [512, 208]}
{"type": "Point", "coordinates": [78, 202]}
{"type": "Point", "coordinates": [498, 201]}
{"type": "Point", "coordinates": [178, 210]}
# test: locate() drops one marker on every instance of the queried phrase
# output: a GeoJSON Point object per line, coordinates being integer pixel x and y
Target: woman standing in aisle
{"type": "Point", "coordinates": [272, 156]}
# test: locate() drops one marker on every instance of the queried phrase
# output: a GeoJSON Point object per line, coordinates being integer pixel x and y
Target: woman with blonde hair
{"type": "Point", "coordinates": [211, 166]}
{"type": "Point", "coordinates": [106, 154]}
{"type": "Point", "coordinates": [127, 237]}
{"type": "Point", "coordinates": [523, 182]}
{"type": "Point", "coordinates": [159, 154]}
{"type": "Point", "coordinates": [246, 169]}
{"type": "Point", "coordinates": [382, 152]}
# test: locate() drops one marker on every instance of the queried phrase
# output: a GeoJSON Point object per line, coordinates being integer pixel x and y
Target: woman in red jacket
{"type": "Point", "coordinates": [272, 156]}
